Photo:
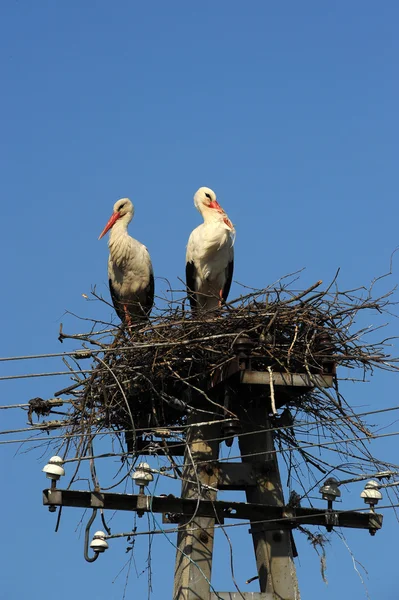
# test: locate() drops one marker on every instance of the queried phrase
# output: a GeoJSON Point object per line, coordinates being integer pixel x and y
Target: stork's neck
{"type": "Point", "coordinates": [119, 239]}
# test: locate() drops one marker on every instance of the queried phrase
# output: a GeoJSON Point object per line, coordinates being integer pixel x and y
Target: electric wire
{"type": "Point", "coordinates": [52, 374]}
{"type": "Point", "coordinates": [312, 445]}
{"type": "Point", "coordinates": [180, 428]}
{"type": "Point", "coordinates": [27, 405]}
{"type": "Point", "coordinates": [79, 353]}
{"type": "Point", "coordinates": [228, 458]}
{"type": "Point", "coordinates": [361, 510]}
{"type": "Point", "coordinates": [76, 353]}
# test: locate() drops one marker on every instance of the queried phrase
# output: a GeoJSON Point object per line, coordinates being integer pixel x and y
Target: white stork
{"type": "Point", "coordinates": [130, 274]}
{"type": "Point", "coordinates": [210, 254]}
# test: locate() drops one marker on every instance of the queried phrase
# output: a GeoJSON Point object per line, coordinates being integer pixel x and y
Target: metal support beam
{"type": "Point", "coordinates": [195, 548]}
{"type": "Point", "coordinates": [274, 517]}
{"type": "Point", "coordinates": [248, 376]}
{"type": "Point", "coordinates": [288, 379]}
{"type": "Point", "coordinates": [273, 549]}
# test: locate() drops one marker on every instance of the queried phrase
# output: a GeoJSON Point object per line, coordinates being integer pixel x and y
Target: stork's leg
{"type": "Point", "coordinates": [220, 298]}
{"type": "Point", "coordinates": [128, 320]}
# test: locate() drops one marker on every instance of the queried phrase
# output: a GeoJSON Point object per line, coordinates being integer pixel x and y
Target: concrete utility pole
{"type": "Point", "coordinates": [195, 548]}
{"type": "Point", "coordinates": [273, 550]}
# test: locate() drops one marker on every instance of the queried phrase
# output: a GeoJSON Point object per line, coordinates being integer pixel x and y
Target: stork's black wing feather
{"type": "Point", "coordinates": [149, 301]}
{"type": "Point", "coordinates": [135, 308]}
{"type": "Point", "coordinates": [190, 283]}
{"type": "Point", "coordinates": [116, 302]}
{"type": "Point", "coordinates": [229, 278]}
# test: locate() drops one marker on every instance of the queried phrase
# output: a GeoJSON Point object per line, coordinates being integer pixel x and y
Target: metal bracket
{"type": "Point", "coordinates": [143, 504]}
{"type": "Point", "coordinates": [332, 520]}
{"type": "Point", "coordinates": [258, 527]}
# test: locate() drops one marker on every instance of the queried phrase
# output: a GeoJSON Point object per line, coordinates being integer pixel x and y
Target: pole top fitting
{"type": "Point", "coordinates": [142, 475]}
{"type": "Point", "coordinates": [54, 469]}
{"type": "Point", "coordinates": [330, 489]}
{"type": "Point", "coordinates": [371, 493]}
{"type": "Point", "coordinates": [243, 345]}
{"type": "Point", "coordinates": [98, 542]}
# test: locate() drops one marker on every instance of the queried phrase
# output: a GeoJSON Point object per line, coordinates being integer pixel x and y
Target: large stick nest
{"type": "Point", "coordinates": [159, 372]}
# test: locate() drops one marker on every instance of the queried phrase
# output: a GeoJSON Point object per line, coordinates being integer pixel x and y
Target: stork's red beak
{"type": "Point", "coordinates": [114, 217]}
{"type": "Point", "coordinates": [215, 204]}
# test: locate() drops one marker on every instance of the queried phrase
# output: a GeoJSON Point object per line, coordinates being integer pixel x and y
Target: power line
{"type": "Point", "coordinates": [142, 429]}
{"type": "Point", "coordinates": [133, 346]}
{"type": "Point", "coordinates": [370, 476]}
{"type": "Point", "coordinates": [222, 459]}
{"type": "Point", "coordinates": [216, 421]}
{"type": "Point", "coordinates": [223, 438]}
{"type": "Point", "coordinates": [49, 425]}
{"type": "Point", "coordinates": [75, 353]}
{"type": "Point", "coordinates": [27, 405]}
{"type": "Point", "coordinates": [53, 374]}
{"type": "Point", "coordinates": [64, 423]}
{"type": "Point", "coordinates": [294, 448]}
{"type": "Point", "coordinates": [56, 373]}
{"type": "Point", "coordinates": [241, 524]}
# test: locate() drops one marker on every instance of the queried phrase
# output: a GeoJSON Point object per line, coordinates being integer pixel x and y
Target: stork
{"type": "Point", "coordinates": [210, 254]}
{"type": "Point", "coordinates": [130, 274]}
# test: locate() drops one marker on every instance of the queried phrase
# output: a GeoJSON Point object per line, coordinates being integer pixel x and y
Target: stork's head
{"type": "Point", "coordinates": [205, 201]}
{"type": "Point", "coordinates": [123, 212]}
{"type": "Point", "coordinates": [205, 198]}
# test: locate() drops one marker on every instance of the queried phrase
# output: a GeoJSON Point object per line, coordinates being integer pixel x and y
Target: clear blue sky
{"type": "Point", "coordinates": [288, 110]}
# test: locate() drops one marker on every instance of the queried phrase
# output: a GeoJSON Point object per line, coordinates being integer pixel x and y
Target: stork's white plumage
{"type": "Point", "coordinates": [130, 274]}
{"type": "Point", "coordinates": [210, 254]}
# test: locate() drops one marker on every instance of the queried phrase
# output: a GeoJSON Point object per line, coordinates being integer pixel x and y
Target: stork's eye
{"type": "Point", "coordinates": [120, 207]}
{"type": "Point", "coordinates": [208, 196]}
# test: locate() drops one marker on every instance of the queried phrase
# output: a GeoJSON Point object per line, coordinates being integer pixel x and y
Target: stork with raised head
{"type": "Point", "coordinates": [210, 254]}
{"type": "Point", "coordinates": [130, 274]}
